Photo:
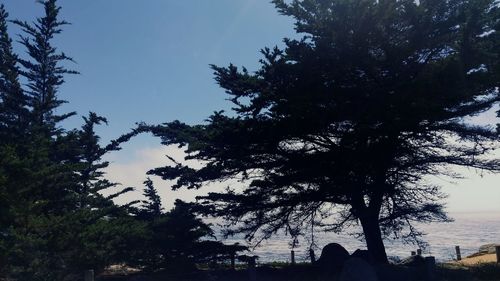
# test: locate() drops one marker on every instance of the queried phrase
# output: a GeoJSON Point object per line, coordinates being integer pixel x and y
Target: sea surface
{"type": "Point", "coordinates": [469, 231]}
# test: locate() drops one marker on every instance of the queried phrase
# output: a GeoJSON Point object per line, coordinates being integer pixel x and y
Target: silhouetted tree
{"type": "Point", "coordinates": [152, 206]}
{"type": "Point", "coordinates": [182, 239]}
{"type": "Point", "coordinates": [91, 166]}
{"type": "Point", "coordinates": [344, 125]}
{"type": "Point", "coordinates": [178, 239]}
{"type": "Point", "coordinates": [51, 179]}
{"type": "Point", "coordinates": [52, 154]}
{"type": "Point", "coordinates": [105, 232]}
{"type": "Point", "coordinates": [14, 102]}
{"type": "Point", "coordinates": [43, 70]}
{"type": "Point", "coordinates": [12, 113]}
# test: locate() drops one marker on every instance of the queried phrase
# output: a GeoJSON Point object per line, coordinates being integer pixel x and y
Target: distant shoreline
{"type": "Point", "coordinates": [469, 230]}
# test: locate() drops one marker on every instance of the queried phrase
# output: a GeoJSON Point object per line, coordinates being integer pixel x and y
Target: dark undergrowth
{"type": "Point", "coordinates": [307, 272]}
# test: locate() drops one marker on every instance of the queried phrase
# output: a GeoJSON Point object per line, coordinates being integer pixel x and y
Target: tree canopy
{"type": "Point", "coordinates": [57, 215]}
{"type": "Point", "coordinates": [344, 125]}
{"type": "Point", "coordinates": [51, 178]}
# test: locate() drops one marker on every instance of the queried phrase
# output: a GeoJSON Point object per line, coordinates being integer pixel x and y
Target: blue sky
{"type": "Point", "coordinates": [149, 61]}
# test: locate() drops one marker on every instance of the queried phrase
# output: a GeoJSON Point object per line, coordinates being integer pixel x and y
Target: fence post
{"type": "Point", "coordinates": [292, 254]}
{"type": "Point", "coordinates": [497, 250]}
{"type": "Point", "coordinates": [89, 275]}
{"type": "Point", "coordinates": [233, 261]}
{"type": "Point", "coordinates": [430, 268]}
{"type": "Point", "coordinates": [312, 255]}
{"type": "Point", "coordinates": [457, 250]}
{"type": "Point", "coordinates": [252, 273]}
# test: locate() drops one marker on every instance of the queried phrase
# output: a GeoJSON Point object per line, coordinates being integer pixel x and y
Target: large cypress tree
{"type": "Point", "coordinates": [345, 125]}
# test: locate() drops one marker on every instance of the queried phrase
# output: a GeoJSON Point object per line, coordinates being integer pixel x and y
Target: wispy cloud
{"type": "Point", "coordinates": [131, 171]}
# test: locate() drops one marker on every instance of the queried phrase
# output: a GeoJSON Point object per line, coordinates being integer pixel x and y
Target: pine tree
{"type": "Point", "coordinates": [98, 232]}
{"type": "Point", "coordinates": [49, 145]}
{"type": "Point", "coordinates": [176, 236]}
{"type": "Point", "coordinates": [176, 239]}
{"type": "Point", "coordinates": [51, 179]}
{"type": "Point", "coordinates": [44, 70]}
{"type": "Point", "coordinates": [13, 118]}
{"type": "Point", "coordinates": [91, 166]}
{"type": "Point", "coordinates": [13, 106]}
{"type": "Point", "coordinates": [152, 207]}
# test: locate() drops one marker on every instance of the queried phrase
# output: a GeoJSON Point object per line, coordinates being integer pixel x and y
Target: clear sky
{"type": "Point", "coordinates": [149, 61]}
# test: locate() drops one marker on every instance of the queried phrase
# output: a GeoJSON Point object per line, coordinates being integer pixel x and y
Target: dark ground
{"type": "Point", "coordinates": [306, 272]}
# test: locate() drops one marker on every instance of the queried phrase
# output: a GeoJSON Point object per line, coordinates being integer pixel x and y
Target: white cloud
{"type": "Point", "coordinates": [475, 193]}
{"type": "Point", "coordinates": [130, 169]}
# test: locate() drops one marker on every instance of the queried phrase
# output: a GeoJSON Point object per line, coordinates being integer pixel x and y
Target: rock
{"type": "Point", "coordinates": [251, 260]}
{"type": "Point", "coordinates": [363, 254]}
{"type": "Point", "coordinates": [357, 269]}
{"type": "Point", "coordinates": [391, 272]}
{"type": "Point", "coordinates": [333, 257]}
{"type": "Point", "coordinates": [488, 248]}
{"type": "Point", "coordinates": [413, 261]}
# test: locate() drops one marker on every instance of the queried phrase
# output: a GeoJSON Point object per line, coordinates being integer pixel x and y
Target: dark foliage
{"type": "Point", "coordinates": [345, 125]}
{"type": "Point", "coordinates": [177, 239]}
{"type": "Point", "coordinates": [51, 180]}
{"type": "Point", "coordinates": [152, 206]}
{"type": "Point", "coordinates": [55, 219]}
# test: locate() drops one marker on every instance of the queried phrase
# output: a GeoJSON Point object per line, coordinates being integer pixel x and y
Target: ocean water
{"type": "Point", "coordinates": [469, 231]}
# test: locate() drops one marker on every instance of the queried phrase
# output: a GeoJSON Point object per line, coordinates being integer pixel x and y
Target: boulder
{"type": "Point", "coordinates": [413, 261]}
{"type": "Point", "coordinates": [357, 269]}
{"type": "Point", "coordinates": [333, 257]}
{"type": "Point", "coordinates": [251, 260]}
{"type": "Point", "coordinates": [363, 254]}
{"type": "Point", "coordinates": [488, 248]}
{"type": "Point", "coordinates": [392, 272]}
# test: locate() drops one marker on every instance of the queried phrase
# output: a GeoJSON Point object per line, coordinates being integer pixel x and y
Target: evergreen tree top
{"type": "Point", "coordinates": [13, 102]}
{"type": "Point", "coordinates": [152, 206]}
{"type": "Point", "coordinates": [44, 70]}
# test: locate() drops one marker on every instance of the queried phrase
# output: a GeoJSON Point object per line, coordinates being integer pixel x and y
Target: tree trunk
{"type": "Point", "coordinates": [373, 237]}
